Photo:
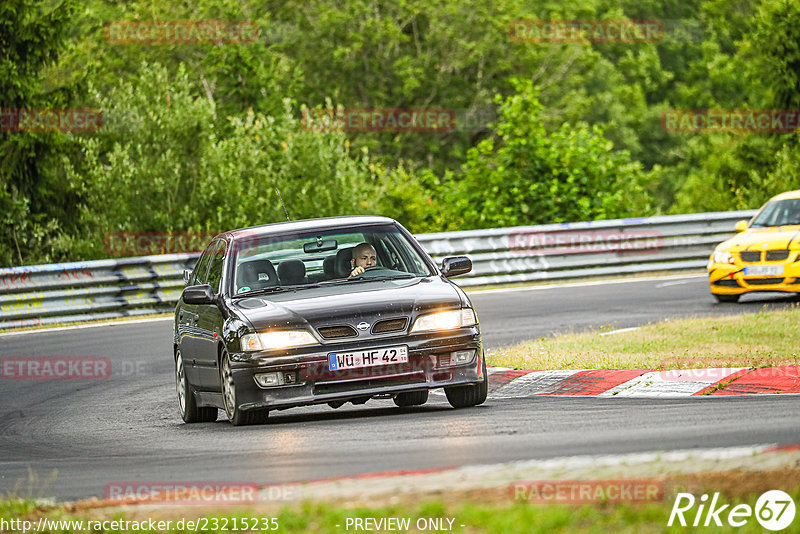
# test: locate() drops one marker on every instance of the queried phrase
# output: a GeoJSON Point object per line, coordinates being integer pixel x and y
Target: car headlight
{"type": "Point", "coordinates": [722, 256]}
{"type": "Point", "coordinates": [444, 320]}
{"type": "Point", "coordinates": [279, 339]}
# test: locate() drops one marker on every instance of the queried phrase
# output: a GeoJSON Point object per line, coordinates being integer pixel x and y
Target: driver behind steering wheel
{"type": "Point", "coordinates": [364, 257]}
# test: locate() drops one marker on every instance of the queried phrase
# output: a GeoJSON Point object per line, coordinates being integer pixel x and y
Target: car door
{"type": "Point", "coordinates": [188, 318]}
{"type": "Point", "coordinates": [209, 324]}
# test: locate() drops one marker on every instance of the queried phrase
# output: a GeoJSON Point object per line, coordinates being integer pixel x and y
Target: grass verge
{"type": "Point", "coordinates": [746, 340]}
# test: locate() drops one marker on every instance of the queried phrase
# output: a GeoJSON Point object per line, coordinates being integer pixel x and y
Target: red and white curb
{"type": "Point", "coordinates": [515, 383]}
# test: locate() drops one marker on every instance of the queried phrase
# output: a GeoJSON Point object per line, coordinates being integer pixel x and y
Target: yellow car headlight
{"type": "Point", "coordinates": [444, 320]}
{"type": "Point", "coordinates": [278, 339]}
{"type": "Point", "coordinates": [722, 256]}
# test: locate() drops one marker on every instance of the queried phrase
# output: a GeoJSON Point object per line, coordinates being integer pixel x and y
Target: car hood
{"type": "Point", "coordinates": [756, 238]}
{"type": "Point", "coordinates": [348, 303]}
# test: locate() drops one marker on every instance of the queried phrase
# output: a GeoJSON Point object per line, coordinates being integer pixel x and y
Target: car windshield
{"type": "Point", "coordinates": [301, 260]}
{"type": "Point", "coordinates": [778, 213]}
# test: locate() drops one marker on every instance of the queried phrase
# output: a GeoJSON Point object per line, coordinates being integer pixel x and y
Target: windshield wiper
{"type": "Point", "coordinates": [275, 289]}
{"type": "Point", "coordinates": [359, 278]}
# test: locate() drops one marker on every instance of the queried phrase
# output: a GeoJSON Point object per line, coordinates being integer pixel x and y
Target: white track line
{"type": "Point", "coordinates": [583, 284]}
{"type": "Point", "coordinates": [620, 331]}
{"type": "Point", "coordinates": [93, 325]}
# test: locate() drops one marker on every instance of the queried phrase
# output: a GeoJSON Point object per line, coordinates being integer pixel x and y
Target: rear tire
{"type": "Point", "coordinates": [726, 298]}
{"type": "Point", "coordinates": [236, 416]}
{"type": "Point", "coordinates": [190, 412]}
{"type": "Point", "coordinates": [472, 395]}
{"type": "Point", "coordinates": [411, 398]}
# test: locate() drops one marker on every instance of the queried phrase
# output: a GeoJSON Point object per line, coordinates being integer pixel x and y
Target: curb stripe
{"type": "Point", "coordinates": [535, 383]}
{"type": "Point", "coordinates": [678, 383]}
{"type": "Point", "coordinates": [499, 379]}
{"type": "Point", "coordinates": [517, 383]}
{"type": "Point", "coordinates": [596, 381]}
{"type": "Point", "coordinates": [713, 388]}
{"type": "Point", "coordinates": [765, 380]}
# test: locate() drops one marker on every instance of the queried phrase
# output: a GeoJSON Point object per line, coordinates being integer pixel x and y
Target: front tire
{"type": "Point", "coordinates": [411, 398]}
{"type": "Point", "coordinates": [190, 412]}
{"type": "Point", "coordinates": [726, 298]}
{"type": "Point", "coordinates": [472, 395]}
{"type": "Point", "coordinates": [236, 416]}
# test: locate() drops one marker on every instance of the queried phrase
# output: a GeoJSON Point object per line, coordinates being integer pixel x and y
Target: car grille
{"type": "Point", "coordinates": [390, 325]}
{"type": "Point", "coordinates": [333, 332]}
{"type": "Point", "coordinates": [751, 256]}
{"type": "Point", "coordinates": [763, 281]}
{"type": "Point", "coordinates": [777, 255]}
{"type": "Point", "coordinates": [727, 283]}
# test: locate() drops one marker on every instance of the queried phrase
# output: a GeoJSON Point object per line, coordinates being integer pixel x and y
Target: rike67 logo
{"type": "Point", "coordinates": [774, 510]}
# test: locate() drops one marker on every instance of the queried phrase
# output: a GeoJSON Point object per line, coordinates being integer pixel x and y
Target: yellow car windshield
{"type": "Point", "coordinates": [778, 213]}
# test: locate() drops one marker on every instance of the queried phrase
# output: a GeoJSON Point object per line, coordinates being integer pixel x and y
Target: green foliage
{"type": "Point", "coordinates": [740, 171]}
{"type": "Point", "coordinates": [36, 202]}
{"type": "Point", "coordinates": [163, 154]}
{"type": "Point", "coordinates": [535, 177]}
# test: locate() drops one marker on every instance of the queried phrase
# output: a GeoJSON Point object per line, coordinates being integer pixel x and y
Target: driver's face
{"type": "Point", "coordinates": [365, 258]}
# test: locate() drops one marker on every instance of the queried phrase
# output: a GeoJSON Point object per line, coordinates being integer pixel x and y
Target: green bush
{"type": "Point", "coordinates": [532, 177]}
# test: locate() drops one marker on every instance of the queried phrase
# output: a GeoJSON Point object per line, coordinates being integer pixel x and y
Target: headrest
{"type": "Point", "coordinates": [292, 272]}
{"type": "Point", "coordinates": [343, 266]}
{"type": "Point", "coordinates": [329, 265]}
{"type": "Point", "coordinates": [256, 274]}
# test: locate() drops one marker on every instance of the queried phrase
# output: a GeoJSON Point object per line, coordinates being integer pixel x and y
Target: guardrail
{"type": "Point", "coordinates": [66, 292]}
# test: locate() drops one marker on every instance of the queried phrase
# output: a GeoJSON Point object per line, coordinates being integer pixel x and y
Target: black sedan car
{"type": "Point", "coordinates": [318, 311]}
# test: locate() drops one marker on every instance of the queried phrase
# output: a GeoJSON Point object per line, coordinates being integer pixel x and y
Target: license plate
{"type": "Point", "coordinates": [763, 270]}
{"type": "Point", "coordinates": [367, 358]}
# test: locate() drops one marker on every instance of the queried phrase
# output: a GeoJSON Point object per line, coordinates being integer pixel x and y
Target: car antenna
{"type": "Point", "coordinates": [284, 205]}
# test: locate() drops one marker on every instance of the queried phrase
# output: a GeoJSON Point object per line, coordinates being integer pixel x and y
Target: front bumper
{"type": "Point", "coordinates": [729, 279]}
{"type": "Point", "coordinates": [316, 384]}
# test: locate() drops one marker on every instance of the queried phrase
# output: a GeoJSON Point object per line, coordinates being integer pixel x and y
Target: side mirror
{"type": "Point", "coordinates": [456, 265]}
{"type": "Point", "coordinates": [198, 295]}
{"type": "Point", "coordinates": [741, 226]}
{"type": "Point", "coordinates": [187, 274]}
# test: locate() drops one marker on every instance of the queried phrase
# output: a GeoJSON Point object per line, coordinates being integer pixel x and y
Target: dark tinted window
{"type": "Point", "coordinates": [215, 271]}
{"type": "Point", "coordinates": [199, 275]}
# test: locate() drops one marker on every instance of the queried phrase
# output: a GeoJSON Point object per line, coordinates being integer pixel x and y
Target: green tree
{"type": "Point", "coordinates": [37, 203]}
{"type": "Point", "coordinates": [164, 166]}
{"type": "Point", "coordinates": [534, 177]}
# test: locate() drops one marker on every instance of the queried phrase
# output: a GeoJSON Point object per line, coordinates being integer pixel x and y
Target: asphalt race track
{"type": "Point", "coordinates": [90, 433]}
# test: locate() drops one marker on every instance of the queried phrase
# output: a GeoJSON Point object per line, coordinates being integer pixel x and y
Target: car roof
{"type": "Point", "coordinates": [325, 223]}
{"type": "Point", "coordinates": [786, 195]}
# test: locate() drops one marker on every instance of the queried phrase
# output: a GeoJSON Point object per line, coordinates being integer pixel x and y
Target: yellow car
{"type": "Point", "coordinates": [764, 256]}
